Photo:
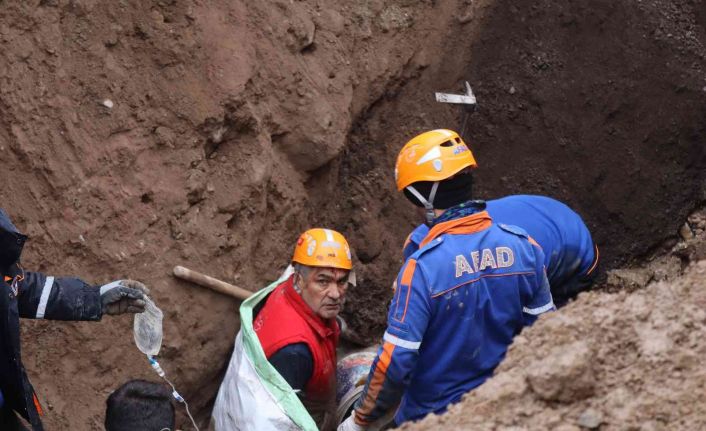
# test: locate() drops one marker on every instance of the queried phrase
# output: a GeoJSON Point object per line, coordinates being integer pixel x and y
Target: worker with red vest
{"type": "Point", "coordinates": [297, 324]}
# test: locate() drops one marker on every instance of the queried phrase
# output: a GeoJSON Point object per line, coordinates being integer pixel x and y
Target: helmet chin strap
{"type": "Point", "coordinates": [428, 204]}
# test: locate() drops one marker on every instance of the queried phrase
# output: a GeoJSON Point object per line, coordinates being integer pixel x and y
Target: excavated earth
{"type": "Point", "coordinates": [138, 135]}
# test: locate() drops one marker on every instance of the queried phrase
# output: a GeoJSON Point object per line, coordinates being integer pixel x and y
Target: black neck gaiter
{"type": "Point", "coordinates": [451, 192]}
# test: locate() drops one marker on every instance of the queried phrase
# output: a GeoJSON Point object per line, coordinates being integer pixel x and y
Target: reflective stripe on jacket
{"type": "Point", "coordinates": [460, 300]}
{"type": "Point", "coordinates": [35, 296]}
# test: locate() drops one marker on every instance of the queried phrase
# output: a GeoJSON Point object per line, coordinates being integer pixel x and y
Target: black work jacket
{"type": "Point", "coordinates": [36, 296]}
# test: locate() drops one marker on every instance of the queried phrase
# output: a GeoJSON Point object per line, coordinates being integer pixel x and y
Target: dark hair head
{"type": "Point", "coordinates": [139, 405]}
{"type": "Point", "coordinates": [11, 242]}
{"type": "Point", "coordinates": [453, 191]}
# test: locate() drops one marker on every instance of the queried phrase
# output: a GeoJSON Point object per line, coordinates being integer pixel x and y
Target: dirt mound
{"type": "Point", "coordinates": [609, 360]}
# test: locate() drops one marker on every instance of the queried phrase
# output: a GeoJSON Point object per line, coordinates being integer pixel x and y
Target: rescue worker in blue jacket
{"type": "Point", "coordinates": [37, 296]}
{"type": "Point", "coordinates": [460, 299]}
{"type": "Point", "coordinates": [570, 256]}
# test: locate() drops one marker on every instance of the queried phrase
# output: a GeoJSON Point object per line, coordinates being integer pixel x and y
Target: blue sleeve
{"type": "Point", "coordinates": [413, 240]}
{"type": "Point", "coordinates": [409, 248]}
{"type": "Point", "coordinates": [295, 363]}
{"type": "Point", "coordinates": [539, 300]}
{"type": "Point", "coordinates": [407, 321]}
{"type": "Point", "coordinates": [44, 297]}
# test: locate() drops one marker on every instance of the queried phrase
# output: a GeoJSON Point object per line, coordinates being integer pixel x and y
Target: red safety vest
{"type": "Point", "coordinates": [286, 319]}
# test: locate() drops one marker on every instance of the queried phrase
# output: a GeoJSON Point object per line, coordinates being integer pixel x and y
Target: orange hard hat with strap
{"type": "Point", "coordinates": [433, 156]}
{"type": "Point", "coordinates": [323, 248]}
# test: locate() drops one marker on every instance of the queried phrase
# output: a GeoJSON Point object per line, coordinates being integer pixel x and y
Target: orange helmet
{"type": "Point", "coordinates": [323, 248]}
{"type": "Point", "coordinates": [432, 156]}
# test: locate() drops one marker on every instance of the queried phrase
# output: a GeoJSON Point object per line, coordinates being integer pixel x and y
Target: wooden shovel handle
{"type": "Point", "coordinates": [211, 283]}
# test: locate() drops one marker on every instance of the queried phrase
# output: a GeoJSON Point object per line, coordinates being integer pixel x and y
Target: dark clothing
{"type": "Point", "coordinates": [35, 296]}
{"type": "Point", "coordinates": [295, 363]}
{"type": "Point", "coordinates": [9, 420]}
{"type": "Point", "coordinates": [571, 287]}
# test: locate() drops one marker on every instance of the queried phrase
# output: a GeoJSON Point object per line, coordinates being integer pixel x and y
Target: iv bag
{"type": "Point", "coordinates": [148, 329]}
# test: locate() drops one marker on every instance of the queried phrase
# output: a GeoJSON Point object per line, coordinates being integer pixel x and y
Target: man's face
{"type": "Point", "coordinates": [324, 290]}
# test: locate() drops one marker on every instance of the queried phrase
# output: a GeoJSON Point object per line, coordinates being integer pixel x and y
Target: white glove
{"type": "Point", "coordinates": [350, 425]}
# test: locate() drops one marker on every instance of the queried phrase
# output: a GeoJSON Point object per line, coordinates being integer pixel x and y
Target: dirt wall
{"type": "Point", "coordinates": [139, 135]}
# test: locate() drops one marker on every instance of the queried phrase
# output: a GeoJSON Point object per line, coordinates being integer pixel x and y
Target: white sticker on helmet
{"type": "Point", "coordinates": [432, 154]}
{"type": "Point", "coordinates": [437, 165]}
{"type": "Point", "coordinates": [330, 241]}
{"type": "Point", "coordinates": [329, 234]}
{"type": "Point", "coordinates": [311, 248]}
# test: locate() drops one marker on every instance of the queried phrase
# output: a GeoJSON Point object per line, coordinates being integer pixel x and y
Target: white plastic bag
{"type": "Point", "coordinates": [253, 395]}
{"type": "Point", "coordinates": [148, 329]}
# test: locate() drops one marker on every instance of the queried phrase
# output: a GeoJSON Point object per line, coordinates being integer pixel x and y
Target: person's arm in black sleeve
{"type": "Point", "coordinates": [45, 297]}
{"type": "Point", "coordinates": [295, 363]}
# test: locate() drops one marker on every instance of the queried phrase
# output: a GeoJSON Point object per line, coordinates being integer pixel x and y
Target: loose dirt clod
{"type": "Point", "coordinates": [590, 419]}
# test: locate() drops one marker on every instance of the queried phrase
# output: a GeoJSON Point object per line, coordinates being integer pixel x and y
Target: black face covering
{"type": "Point", "coordinates": [454, 191]}
{"type": "Point", "coordinates": [11, 242]}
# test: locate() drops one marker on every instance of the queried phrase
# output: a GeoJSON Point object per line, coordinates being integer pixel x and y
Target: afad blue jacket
{"type": "Point", "coordinates": [460, 300]}
{"type": "Point", "coordinates": [568, 248]}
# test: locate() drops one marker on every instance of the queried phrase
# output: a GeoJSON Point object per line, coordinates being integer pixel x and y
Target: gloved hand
{"type": "Point", "coordinates": [350, 425]}
{"type": "Point", "coordinates": [123, 296]}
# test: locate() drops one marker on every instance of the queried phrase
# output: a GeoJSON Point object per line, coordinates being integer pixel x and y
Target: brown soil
{"type": "Point", "coordinates": [227, 126]}
{"type": "Point", "coordinates": [235, 125]}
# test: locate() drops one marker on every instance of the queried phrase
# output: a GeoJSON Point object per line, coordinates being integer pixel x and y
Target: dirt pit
{"type": "Point", "coordinates": [141, 135]}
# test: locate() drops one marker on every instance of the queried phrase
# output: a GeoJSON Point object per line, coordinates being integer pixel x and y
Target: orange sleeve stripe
{"type": "Point", "coordinates": [407, 276]}
{"type": "Point", "coordinates": [376, 383]}
{"type": "Point", "coordinates": [406, 280]}
{"type": "Point", "coordinates": [533, 242]}
{"type": "Point", "coordinates": [596, 257]}
{"type": "Point", "coordinates": [37, 405]}
{"type": "Point", "coordinates": [397, 297]}
{"type": "Point", "coordinates": [408, 272]}
{"type": "Point", "coordinates": [406, 303]}
{"type": "Point", "coordinates": [407, 241]}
